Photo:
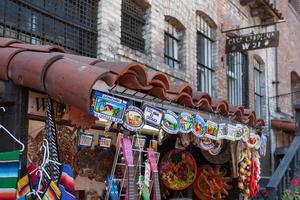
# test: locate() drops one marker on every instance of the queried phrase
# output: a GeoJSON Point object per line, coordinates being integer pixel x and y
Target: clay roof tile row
{"type": "Point", "coordinates": [70, 78]}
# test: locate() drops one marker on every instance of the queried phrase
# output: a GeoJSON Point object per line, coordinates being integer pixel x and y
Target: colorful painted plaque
{"type": "Point", "coordinates": [211, 130]}
{"type": "Point", "coordinates": [239, 132]}
{"type": "Point", "coordinates": [246, 134]}
{"type": "Point", "coordinates": [231, 132]}
{"type": "Point", "coordinates": [85, 139]}
{"type": "Point", "coordinates": [153, 116]}
{"type": "Point", "coordinates": [206, 143]}
{"type": "Point", "coordinates": [222, 131]}
{"type": "Point", "coordinates": [217, 147]}
{"type": "Point", "coordinates": [177, 169]}
{"type": "Point", "coordinates": [107, 107]}
{"type": "Point", "coordinates": [253, 140]}
{"type": "Point", "coordinates": [170, 122]}
{"type": "Point", "coordinates": [185, 122]}
{"type": "Point", "coordinates": [199, 126]}
{"type": "Point", "coordinates": [104, 142]}
{"type": "Point", "coordinates": [133, 119]}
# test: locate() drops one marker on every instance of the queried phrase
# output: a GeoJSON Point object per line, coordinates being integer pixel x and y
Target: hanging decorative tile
{"type": "Point", "coordinates": [211, 130]}
{"type": "Point", "coordinates": [153, 116]}
{"type": "Point", "coordinates": [239, 131]}
{"type": "Point", "coordinates": [170, 122]}
{"type": "Point", "coordinates": [217, 147]}
{"type": "Point", "coordinates": [231, 132]}
{"type": "Point", "coordinates": [206, 143]}
{"type": "Point", "coordinates": [107, 107]}
{"type": "Point", "coordinates": [222, 131]}
{"type": "Point", "coordinates": [199, 126]}
{"type": "Point", "coordinates": [246, 134]}
{"type": "Point", "coordinates": [252, 141]}
{"type": "Point", "coordinates": [133, 119]}
{"type": "Point", "coordinates": [185, 122]}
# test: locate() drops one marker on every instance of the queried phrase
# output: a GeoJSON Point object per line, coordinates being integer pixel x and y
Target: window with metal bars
{"type": "Point", "coordinates": [71, 24]}
{"type": "Point", "coordinates": [132, 25]}
{"type": "Point", "coordinates": [205, 50]}
{"type": "Point", "coordinates": [237, 79]}
{"type": "Point", "coordinates": [172, 42]}
{"type": "Point", "coordinates": [258, 87]}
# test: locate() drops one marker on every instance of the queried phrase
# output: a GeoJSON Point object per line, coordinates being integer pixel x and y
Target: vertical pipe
{"type": "Point", "coordinates": [276, 68]}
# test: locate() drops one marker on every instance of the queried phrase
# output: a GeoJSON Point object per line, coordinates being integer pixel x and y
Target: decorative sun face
{"type": "Point", "coordinates": [211, 183]}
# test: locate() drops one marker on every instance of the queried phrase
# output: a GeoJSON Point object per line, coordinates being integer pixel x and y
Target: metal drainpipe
{"type": "Point", "coordinates": [276, 82]}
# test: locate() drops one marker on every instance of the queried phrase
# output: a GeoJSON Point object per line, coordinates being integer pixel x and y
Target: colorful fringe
{"type": "Point", "coordinates": [9, 174]}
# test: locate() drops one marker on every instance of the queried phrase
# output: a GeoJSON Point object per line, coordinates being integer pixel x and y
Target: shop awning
{"type": "Point", "coordinates": [263, 9]}
{"type": "Point", "coordinates": [70, 78]}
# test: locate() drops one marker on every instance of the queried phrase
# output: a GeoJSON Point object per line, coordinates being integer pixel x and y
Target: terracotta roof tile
{"type": "Point", "coordinates": [28, 68]}
{"type": "Point", "coordinates": [6, 54]}
{"type": "Point", "coordinates": [70, 78]}
{"type": "Point", "coordinates": [5, 42]}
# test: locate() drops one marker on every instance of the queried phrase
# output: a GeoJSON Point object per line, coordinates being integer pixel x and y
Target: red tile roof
{"type": "Point", "coordinates": [70, 78]}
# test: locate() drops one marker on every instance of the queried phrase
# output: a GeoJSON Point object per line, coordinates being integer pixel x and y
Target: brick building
{"type": "Point", "coordinates": [184, 39]}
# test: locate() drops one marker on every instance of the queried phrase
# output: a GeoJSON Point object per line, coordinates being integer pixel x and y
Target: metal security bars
{"type": "Point", "coordinates": [258, 94]}
{"type": "Point", "coordinates": [132, 25]}
{"type": "Point", "coordinates": [171, 46]}
{"type": "Point", "coordinates": [205, 50]}
{"type": "Point", "coordinates": [237, 79]}
{"type": "Point", "coordinates": [71, 24]}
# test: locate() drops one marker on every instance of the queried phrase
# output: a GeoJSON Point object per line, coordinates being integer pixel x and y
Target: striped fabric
{"type": "Point", "coordinates": [52, 192]}
{"type": "Point", "coordinates": [66, 183]}
{"type": "Point", "coordinates": [9, 174]}
{"type": "Point", "coordinates": [23, 186]}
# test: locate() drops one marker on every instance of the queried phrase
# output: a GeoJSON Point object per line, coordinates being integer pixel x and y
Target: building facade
{"type": "Point", "coordinates": [185, 39]}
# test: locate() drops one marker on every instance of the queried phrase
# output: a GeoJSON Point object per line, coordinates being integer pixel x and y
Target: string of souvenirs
{"type": "Point", "coordinates": [133, 119]}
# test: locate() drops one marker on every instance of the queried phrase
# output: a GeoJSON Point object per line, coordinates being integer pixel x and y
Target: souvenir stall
{"type": "Point", "coordinates": [116, 131]}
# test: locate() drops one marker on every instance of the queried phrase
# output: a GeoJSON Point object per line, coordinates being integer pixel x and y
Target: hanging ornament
{"type": "Point", "coordinates": [199, 127]}
{"type": "Point", "coordinates": [239, 131]}
{"type": "Point", "coordinates": [185, 122]}
{"type": "Point", "coordinates": [170, 122]}
{"type": "Point", "coordinates": [211, 130]}
{"type": "Point", "coordinates": [133, 119]}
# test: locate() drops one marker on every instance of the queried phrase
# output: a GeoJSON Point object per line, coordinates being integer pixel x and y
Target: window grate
{"type": "Point", "coordinates": [132, 25]}
{"type": "Point", "coordinates": [71, 24]}
{"type": "Point", "coordinates": [237, 79]}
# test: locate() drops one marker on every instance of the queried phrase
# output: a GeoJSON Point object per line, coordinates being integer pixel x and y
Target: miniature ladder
{"type": "Point", "coordinates": [119, 163]}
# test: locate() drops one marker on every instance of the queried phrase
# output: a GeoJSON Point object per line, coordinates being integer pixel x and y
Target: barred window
{"type": "Point", "coordinates": [205, 49]}
{"type": "Point", "coordinates": [237, 79]}
{"type": "Point", "coordinates": [172, 43]}
{"type": "Point", "coordinates": [71, 24]}
{"type": "Point", "coordinates": [132, 25]}
{"type": "Point", "coordinates": [258, 86]}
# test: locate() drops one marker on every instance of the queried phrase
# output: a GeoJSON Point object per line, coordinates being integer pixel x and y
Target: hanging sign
{"type": "Point", "coordinates": [104, 142]}
{"type": "Point", "coordinates": [253, 140]}
{"type": "Point", "coordinates": [206, 143]}
{"type": "Point", "coordinates": [246, 134]}
{"type": "Point", "coordinates": [107, 107]}
{"type": "Point", "coordinates": [85, 139]}
{"type": "Point", "coordinates": [231, 132]}
{"type": "Point", "coordinates": [185, 122]}
{"type": "Point", "coordinates": [170, 122]}
{"type": "Point", "coordinates": [253, 41]}
{"type": "Point", "coordinates": [152, 116]}
{"type": "Point", "coordinates": [198, 128]}
{"type": "Point", "coordinates": [133, 119]}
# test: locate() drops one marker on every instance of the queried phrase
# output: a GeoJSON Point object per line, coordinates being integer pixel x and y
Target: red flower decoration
{"type": "Point", "coordinates": [294, 182]}
{"type": "Point", "coordinates": [264, 192]}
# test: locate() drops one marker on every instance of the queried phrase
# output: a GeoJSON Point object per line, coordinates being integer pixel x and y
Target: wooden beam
{"type": "Point", "coordinates": [259, 11]}
{"type": "Point", "coordinates": [246, 2]}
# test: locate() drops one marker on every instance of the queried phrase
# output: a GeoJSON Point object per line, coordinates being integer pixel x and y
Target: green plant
{"type": "Point", "coordinates": [292, 193]}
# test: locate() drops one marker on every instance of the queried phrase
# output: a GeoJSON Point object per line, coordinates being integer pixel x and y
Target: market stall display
{"type": "Point", "coordinates": [177, 169]}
